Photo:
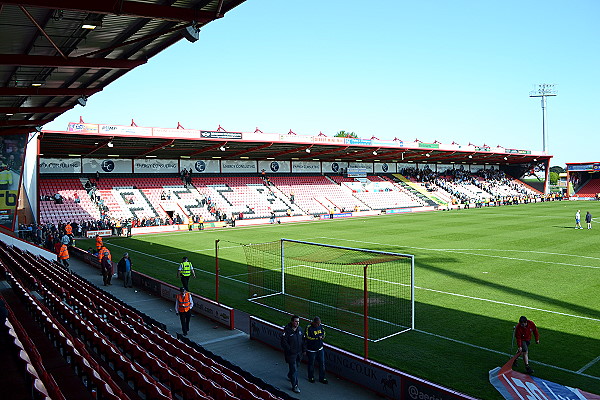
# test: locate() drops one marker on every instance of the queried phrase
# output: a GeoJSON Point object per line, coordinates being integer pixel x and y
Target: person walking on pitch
{"type": "Point", "coordinates": [523, 333]}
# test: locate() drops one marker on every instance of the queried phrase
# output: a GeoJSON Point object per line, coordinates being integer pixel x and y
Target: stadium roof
{"type": "Point", "coordinates": [56, 53]}
{"type": "Point", "coordinates": [123, 142]}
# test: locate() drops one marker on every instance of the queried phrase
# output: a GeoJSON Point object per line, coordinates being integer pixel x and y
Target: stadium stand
{"type": "Point", "coordinates": [589, 189]}
{"type": "Point", "coordinates": [110, 347]}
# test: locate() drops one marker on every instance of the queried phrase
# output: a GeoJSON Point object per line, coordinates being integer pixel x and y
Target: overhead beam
{"type": "Point", "coordinates": [26, 122]}
{"type": "Point", "coordinates": [69, 62]}
{"type": "Point", "coordinates": [295, 150]}
{"type": "Point", "coordinates": [239, 153]}
{"type": "Point", "coordinates": [33, 110]}
{"type": "Point", "coordinates": [157, 147]}
{"type": "Point", "coordinates": [37, 91]}
{"type": "Point", "coordinates": [213, 147]}
{"type": "Point", "coordinates": [325, 152]}
{"type": "Point", "coordinates": [126, 8]}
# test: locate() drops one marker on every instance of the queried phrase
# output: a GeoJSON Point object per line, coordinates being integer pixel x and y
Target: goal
{"type": "Point", "coordinates": [361, 292]}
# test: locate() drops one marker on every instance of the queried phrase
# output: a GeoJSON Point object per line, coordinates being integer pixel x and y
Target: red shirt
{"type": "Point", "coordinates": [524, 332]}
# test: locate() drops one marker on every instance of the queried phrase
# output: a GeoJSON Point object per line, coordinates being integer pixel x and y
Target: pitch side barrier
{"type": "Point", "coordinates": [381, 379]}
{"type": "Point", "coordinates": [206, 307]}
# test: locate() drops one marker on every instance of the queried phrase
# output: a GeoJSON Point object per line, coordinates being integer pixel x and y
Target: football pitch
{"type": "Point", "coordinates": [476, 272]}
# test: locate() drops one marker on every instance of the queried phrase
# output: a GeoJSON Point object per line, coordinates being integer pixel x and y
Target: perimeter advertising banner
{"type": "Point", "coordinates": [12, 156]}
{"type": "Point", "coordinates": [155, 166]}
{"type": "Point", "coordinates": [275, 167]}
{"type": "Point", "coordinates": [60, 165]}
{"type": "Point", "coordinates": [201, 166]}
{"type": "Point", "coordinates": [220, 135]}
{"type": "Point", "coordinates": [238, 166]}
{"type": "Point", "coordinates": [120, 130]}
{"type": "Point", "coordinates": [176, 133]}
{"type": "Point", "coordinates": [106, 165]}
{"type": "Point", "coordinates": [306, 167]}
{"type": "Point", "coordinates": [514, 385]}
{"type": "Point", "coordinates": [366, 166]}
{"type": "Point", "coordinates": [81, 127]}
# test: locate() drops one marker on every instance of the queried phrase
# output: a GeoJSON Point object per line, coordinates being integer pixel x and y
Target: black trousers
{"type": "Point", "coordinates": [185, 281]}
{"type": "Point", "coordinates": [184, 317]}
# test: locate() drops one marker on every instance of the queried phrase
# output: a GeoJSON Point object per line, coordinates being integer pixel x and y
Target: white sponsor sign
{"type": "Point", "coordinates": [296, 138]}
{"type": "Point", "coordinates": [238, 166]}
{"type": "Point", "coordinates": [125, 130]}
{"type": "Point", "coordinates": [328, 140]}
{"type": "Point", "coordinates": [106, 165]}
{"type": "Point", "coordinates": [367, 167]}
{"type": "Point", "coordinates": [60, 165]}
{"type": "Point", "coordinates": [103, 232]}
{"type": "Point", "coordinates": [201, 166]}
{"type": "Point", "coordinates": [176, 133]}
{"type": "Point", "coordinates": [274, 167]}
{"type": "Point", "coordinates": [155, 166]}
{"type": "Point", "coordinates": [385, 168]}
{"type": "Point", "coordinates": [82, 127]}
{"type": "Point", "coordinates": [334, 167]}
{"type": "Point", "coordinates": [261, 137]}
{"type": "Point", "coordinates": [308, 167]}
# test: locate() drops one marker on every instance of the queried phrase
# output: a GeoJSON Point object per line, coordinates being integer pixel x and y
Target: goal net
{"type": "Point", "coordinates": [365, 293]}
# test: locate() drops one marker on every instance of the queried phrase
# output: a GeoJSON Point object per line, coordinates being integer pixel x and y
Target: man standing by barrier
{"type": "Point", "coordinates": [523, 332]}
{"type": "Point", "coordinates": [124, 266]}
{"type": "Point", "coordinates": [183, 308]}
{"type": "Point", "coordinates": [292, 342]}
{"type": "Point", "coordinates": [185, 270]}
{"type": "Point", "coordinates": [314, 335]}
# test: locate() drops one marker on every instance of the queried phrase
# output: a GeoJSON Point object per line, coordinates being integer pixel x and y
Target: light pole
{"type": "Point", "coordinates": [543, 90]}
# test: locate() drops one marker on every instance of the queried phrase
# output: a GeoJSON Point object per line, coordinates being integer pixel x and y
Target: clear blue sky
{"type": "Point", "coordinates": [434, 70]}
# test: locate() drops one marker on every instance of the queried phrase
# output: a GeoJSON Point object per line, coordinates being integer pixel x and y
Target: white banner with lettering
{"type": "Point", "coordinates": [176, 133]}
{"type": "Point", "coordinates": [274, 167]}
{"type": "Point", "coordinates": [306, 167]}
{"type": "Point", "coordinates": [367, 166]}
{"type": "Point", "coordinates": [121, 130]}
{"type": "Point", "coordinates": [201, 166]}
{"type": "Point", "coordinates": [107, 165]}
{"type": "Point", "coordinates": [155, 166]}
{"type": "Point", "coordinates": [60, 165]}
{"type": "Point", "coordinates": [238, 166]}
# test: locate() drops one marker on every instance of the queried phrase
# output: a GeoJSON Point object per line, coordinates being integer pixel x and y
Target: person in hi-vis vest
{"type": "Point", "coordinates": [186, 269]}
{"type": "Point", "coordinates": [183, 308]}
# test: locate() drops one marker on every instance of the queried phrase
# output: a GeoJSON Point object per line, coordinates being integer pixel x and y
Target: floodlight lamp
{"type": "Point", "coordinates": [374, 152]}
{"type": "Point", "coordinates": [82, 101]}
{"type": "Point", "coordinates": [222, 148]}
{"type": "Point", "coordinates": [37, 83]}
{"type": "Point", "coordinates": [191, 33]}
{"type": "Point", "coordinates": [470, 156]}
{"type": "Point", "coordinates": [427, 155]}
{"type": "Point", "coordinates": [110, 144]}
{"type": "Point", "coordinates": [505, 158]}
{"type": "Point", "coordinates": [90, 24]}
{"type": "Point", "coordinates": [535, 159]}
{"type": "Point", "coordinates": [307, 150]}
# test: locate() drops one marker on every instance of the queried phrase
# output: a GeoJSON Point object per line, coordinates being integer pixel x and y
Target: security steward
{"type": "Point", "coordinates": [183, 308]}
{"type": "Point", "coordinates": [63, 255]}
{"type": "Point", "coordinates": [186, 269]}
{"type": "Point", "coordinates": [99, 243]}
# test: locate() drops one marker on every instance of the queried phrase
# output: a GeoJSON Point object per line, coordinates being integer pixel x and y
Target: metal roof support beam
{"type": "Point", "coordinates": [126, 8]}
{"type": "Point", "coordinates": [71, 62]}
{"type": "Point", "coordinates": [42, 31]}
{"type": "Point", "coordinates": [160, 146]}
{"type": "Point", "coordinates": [36, 91]}
{"type": "Point", "coordinates": [297, 149]}
{"type": "Point", "coordinates": [27, 122]}
{"type": "Point", "coordinates": [100, 145]}
{"type": "Point", "coordinates": [214, 147]}
{"type": "Point", "coordinates": [325, 152]}
{"type": "Point", "coordinates": [239, 153]}
{"type": "Point", "coordinates": [33, 110]}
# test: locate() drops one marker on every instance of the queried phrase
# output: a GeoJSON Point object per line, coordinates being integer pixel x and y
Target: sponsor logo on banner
{"type": "Point", "coordinates": [384, 167]}
{"type": "Point", "coordinates": [82, 127]}
{"type": "Point", "coordinates": [583, 167]}
{"type": "Point", "coordinates": [429, 145]}
{"type": "Point", "coordinates": [220, 135]}
{"type": "Point", "coordinates": [328, 140]}
{"type": "Point", "coordinates": [238, 166]}
{"type": "Point", "coordinates": [339, 215]}
{"type": "Point", "coordinates": [125, 130]}
{"type": "Point", "coordinates": [415, 390]}
{"type": "Point", "coordinates": [107, 165]}
{"type": "Point", "coordinates": [155, 166]}
{"type": "Point", "coordinates": [359, 142]}
{"type": "Point", "coordinates": [178, 133]}
{"type": "Point", "coordinates": [274, 166]}
{"type": "Point", "coordinates": [200, 166]}
{"type": "Point", "coordinates": [306, 166]}
{"type": "Point", "coordinates": [335, 167]}
{"type": "Point", "coordinates": [103, 232]}
{"type": "Point", "coordinates": [57, 165]}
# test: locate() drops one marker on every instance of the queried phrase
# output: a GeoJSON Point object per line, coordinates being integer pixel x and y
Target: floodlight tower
{"type": "Point", "coordinates": [543, 90]}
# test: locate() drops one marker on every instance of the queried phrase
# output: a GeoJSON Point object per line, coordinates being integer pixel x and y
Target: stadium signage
{"type": "Point", "coordinates": [220, 135]}
{"type": "Point", "coordinates": [306, 166]}
{"type": "Point", "coordinates": [296, 138]}
{"type": "Point", "coordinates": [385, 168]}
{"type": "Point", "coordinates": [515, 151]}
{"type": "Point", "coordinates": [274, 167]}
{"type": "Point", "coordinates": [581, 167]}
{"type": "Point", "coordinates": [398, 210]}
{"type": "Point", "coordinates": [429, 145]}
{"type": "Point", "coordinates": [124, 130]}
{"type": "Point", "coordinates": [328, 140]}
{"type": "Point", "coordinates": [176, 133]}
{"type": "Point", "coordinates": [155, 166]}
{"type": "Point", "coordinates": [366, 166]}
{"type": "Point", "coordinates": [60, 166]}
{"type": "Point", "coordinates": [379, 378]}
{"type": "Point", "coordinates": [357, 142]}
{"type": "Point", "coordinates": [334, 167]}
{"type": "Point", "coordinates": [338, 215]}
{"type": "Point", "coordinates": [238, 166]}
{"type": "Point", "coordinates": [102, 232]}
{"type": "Point", "coordinates": [515, 385]}
{"type": "Point", "coordinates": [106, 165]}
{"type": "Point", "coordinates": [81, 127]}
{"type": "Point", "coordinates": [201, 166]}
{"type": "Point", "coordinates": [387, 143]}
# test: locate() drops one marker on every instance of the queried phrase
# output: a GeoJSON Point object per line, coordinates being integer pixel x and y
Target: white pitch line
{"type": "Point", "coordinates": [462, 252]}
{"type": "Point", "coordinates": [510, 355]}
{"type": "Point", "coordinates": [526, 251]}
{"type": "Point", "coordinates": [586, 366]}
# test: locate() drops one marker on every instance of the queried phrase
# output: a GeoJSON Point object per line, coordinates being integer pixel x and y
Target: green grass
{"type": "Point", "coordinates": [476, 272]}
